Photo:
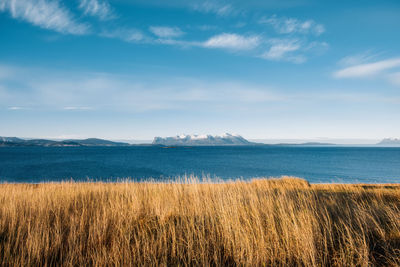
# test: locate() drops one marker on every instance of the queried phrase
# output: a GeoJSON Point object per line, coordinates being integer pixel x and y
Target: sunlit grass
{"type": "Point", "coordinates": [260, 222]}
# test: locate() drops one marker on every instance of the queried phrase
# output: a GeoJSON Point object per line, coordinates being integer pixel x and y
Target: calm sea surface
{"type": "Point", "coordinates": [316, 164]}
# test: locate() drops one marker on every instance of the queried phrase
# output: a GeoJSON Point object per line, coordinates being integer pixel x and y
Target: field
{"type": "Point", "coordinates": [278, 222]}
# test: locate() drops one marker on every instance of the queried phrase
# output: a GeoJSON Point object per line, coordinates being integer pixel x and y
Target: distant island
{"type": "Point", "coordinates": [14, 141]}
{"type": "Point", "coordinates": [203, 140]}
{"type": "Point", "coordinates": [389, 142]}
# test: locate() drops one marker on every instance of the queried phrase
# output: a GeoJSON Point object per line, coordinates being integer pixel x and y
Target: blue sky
{"type": "Point", "coordinates": [124, 69]}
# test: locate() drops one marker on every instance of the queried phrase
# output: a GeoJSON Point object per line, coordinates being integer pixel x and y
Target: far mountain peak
{"type": "Point", "coordinates": [390, 142]}
{"type": "Point", "coordinates": [202, 140]}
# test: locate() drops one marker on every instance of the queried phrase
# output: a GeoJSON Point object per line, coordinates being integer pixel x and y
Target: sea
{"type": "Point", "coordinates": [316, 164]}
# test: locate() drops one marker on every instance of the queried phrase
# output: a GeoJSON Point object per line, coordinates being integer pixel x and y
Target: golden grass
{"type": "Point", "coordinates": [280, 222]}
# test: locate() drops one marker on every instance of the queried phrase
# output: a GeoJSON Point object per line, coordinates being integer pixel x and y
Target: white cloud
{"type": "Point", "coordinates": [127, 35]}
{"type": "Point", "coordinates": [368, 69]}
{"type": "Point", "coordinates": [279, 49]}
{"type": "Point", "coordinates": [166, 32]}
{"type": "Point", "coordinates": [77, 108]}
{"type": "Point", "coordinates": [221, 9]}
{"type": "Point", "coordinates": [233, 41]}
{"type": "Point", "coordinates": [16, 108]}
{"type": "Point", "coordinates": [100, 9]}
{"type": "Point", "coordinates": [285, 25]}
{"type": "Point", "coordinates": [357, 59]}
{"type": "Point", "coordinates": [207, 27]}
{"type": "Point", "coordinates": [180, 43]}
{"type": "Point", "coordinates": [317, 47]}
{"type": "Point", "coordinates": [46, 14]}
{"type": "Point", "coordinates": [283, 50]}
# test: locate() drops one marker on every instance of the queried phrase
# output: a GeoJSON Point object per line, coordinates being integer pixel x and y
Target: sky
{"type": "Point", "coordinates": [135, 69]}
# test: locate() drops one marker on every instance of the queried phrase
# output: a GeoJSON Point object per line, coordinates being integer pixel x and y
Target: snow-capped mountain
{"type": "Point", "coordinates": [390, 142]}
{"type": "Point", "coordinates": [201, 140]}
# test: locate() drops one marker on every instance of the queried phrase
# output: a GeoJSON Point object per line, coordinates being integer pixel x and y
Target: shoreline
{"type": "Point", "coordinates": [210, 181]}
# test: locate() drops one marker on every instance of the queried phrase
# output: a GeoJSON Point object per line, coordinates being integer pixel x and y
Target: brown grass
{"type": "Point", "coordinates": [281, 222]}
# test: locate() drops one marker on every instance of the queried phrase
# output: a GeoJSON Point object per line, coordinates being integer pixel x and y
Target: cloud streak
{"type": "Point", "coordinates": [232, 41]}
{"type": "Point", "coordinates": [16, 108]}
{"type": "Point", "coordinates": [166, 32]}
{"type": "Point", "coordinates": [216, 7]}
{"type": "Point", "coordinates": [96, 8]}
{"type": "Point", "coordinates": [46, 14]}
{"type": "Point", "coordinates": [77, 108]}
{"type": "Point", "coordinates": [127, 35]}
{"type": "Point", "coordinates": [368, 69]}
{"type": "Point", "coordinates": [358, 59]}
{"type": "Point", "coordinates": [282, 49]}
{"type": "Point", "coordinates": [285, 25]}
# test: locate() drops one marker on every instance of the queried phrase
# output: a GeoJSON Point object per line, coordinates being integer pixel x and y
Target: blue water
{"type": "Point", "coordinates": [316, 164]}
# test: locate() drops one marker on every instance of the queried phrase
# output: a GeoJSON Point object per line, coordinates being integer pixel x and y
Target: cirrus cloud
{"type": "Point", "coordinates": [45, 14]}
{"type": "Point", "coordinates": [127, 35]}
{"type": "Point", "coordinates": [96, 8]}
{"type": "Point", "coordinates": [233, 41]}
{"type": "Point", "coordinates": [280, 50]}
{"type": "Point", "coordinates": [219, 8]}
{"type": "Point", "coordinates": [286, 25]}
{"type": "Point", "coordinates": [367, 69]}
{"type": "Point", "coordinates": [166, 32]}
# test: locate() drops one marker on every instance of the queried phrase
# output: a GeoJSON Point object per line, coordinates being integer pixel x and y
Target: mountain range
{"type": "Point", "coordinates": [202, 140]}
{"type": "Point", "coordinates": [389, 142]}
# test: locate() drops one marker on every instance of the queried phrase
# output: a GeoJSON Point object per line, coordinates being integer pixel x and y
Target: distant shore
{"type": "Point", "coordinates": [185, 140]}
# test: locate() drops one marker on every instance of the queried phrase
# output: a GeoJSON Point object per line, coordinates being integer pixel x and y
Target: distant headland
{"type": "Point", "coordinates": [14, 141]}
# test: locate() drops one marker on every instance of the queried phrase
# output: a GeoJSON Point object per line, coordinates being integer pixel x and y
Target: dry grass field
{"type": "Point", "coordinates": [278, 222]}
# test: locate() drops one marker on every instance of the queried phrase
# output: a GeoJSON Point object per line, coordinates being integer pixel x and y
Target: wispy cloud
{"type": "Point", "coordinates": [77, 108]}
{"type": "Point", "coordinates": [216, 7]}
{"type": "Point", "coordinates": [207, 27]}
{"type": "Point", "coordinates": [97, 8]}
{"type": "Point", "coordinates": [127, 35]}
{"type": "Point", "coordinates": [285, 25]}
{"type": "Point", "coordinates": [233, 41]}
{"type": "Point", "coordinates": [16, 108]}
{"type": "Point", "coordinates": [166, 32]}
{"type": "Point", "coordinates": [46, 14]}
{"type": "Point", "coordinates": [358, 59]}
{"type": "Point", "coordinates": [367, 69]}
{"type": "Point", "coordinates": [282, 50]}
